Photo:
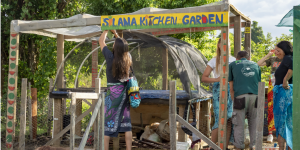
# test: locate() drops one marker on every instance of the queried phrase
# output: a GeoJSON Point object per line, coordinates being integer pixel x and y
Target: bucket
{"type": "Point", "coordinates": [182, 145]}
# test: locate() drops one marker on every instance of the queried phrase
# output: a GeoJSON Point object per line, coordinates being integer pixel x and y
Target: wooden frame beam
{"type": "Point", "coordinates": [238, 13]}
{"type": "Point", "coordinates": [260, 115]}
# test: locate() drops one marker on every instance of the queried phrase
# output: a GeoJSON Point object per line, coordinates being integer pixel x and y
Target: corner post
{"type": "Point", "coordinates": [12, 85]}
{"type": "Point", "coordinates": [172, 115]}
{"type": "Point", "coordinates": [222, 130]}
{"type": "Point", "coordinates": [57, 119]}
{"type": "Point", "coordinates": [296, 77]}
{"type": "Point", "coordinates": [260, 115]}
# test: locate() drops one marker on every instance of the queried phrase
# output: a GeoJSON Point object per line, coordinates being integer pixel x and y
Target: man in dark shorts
{"type": "Point", "coordinates": [243, 78]}
{"type": "Point", "coordinates": [274, 62]}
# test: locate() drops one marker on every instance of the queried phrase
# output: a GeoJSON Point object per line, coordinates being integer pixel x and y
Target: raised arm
{"type": "Point", "coordinates": [262, 62]}
{"type": "Point", "coordinates": [205, 77]}
{"type": "Point", "coordinates": [102, 39]}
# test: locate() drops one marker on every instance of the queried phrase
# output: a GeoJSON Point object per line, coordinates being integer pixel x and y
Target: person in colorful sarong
{"type": "Point", "coordinates": [274, 62]}
{"type": "Point", "coordinates": [213, 66]}
{"type": "Point", "coordinates": [243, 77]}
{"type": "Point", "coordinates": [283, 95]}
{"type": "Point", "coordinates": [117, 107]}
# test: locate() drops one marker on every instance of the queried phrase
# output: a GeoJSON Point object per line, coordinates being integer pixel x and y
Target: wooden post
{"type": "Point", "coordinates": [260, 115]}
{"type": "Point", "coordinates": [172, 115]}
{"type": "Point", "coordinates": [23, 114]}
{"type": "Point", "coordinates": [222, 130]}
{"type": "Point", "coordinates": [12, 86]}
{"type": "Point", "coordinates": [34, 112]}
{"type": "Point", "coordinates": [165, 69]}
{"type": "Point", "coordinates": [50, 108]}
{"type": "Point", "coordinates": [182, 137]}
{"type": "Point", "coordinates": [78, 113]}
{"type": "Point", "coordinates": [91, 122]}
{"type": "Point", "coordinates": [29, 110]}
{"type": "Point", "coordinates": [237, 34]}
{"type": "Point", "coordinates": [72, 123]}
{"type": "Point", "coordinates": [101, 123]}
{"type": "Point", "coordinates": [94, 70]}
{"type": "Point", "coordinates": [98, 118]}
{"type": "Point", "coordinates": [296, 78]}
{"type": "Point", "coordinates": [58, 102]}
{"type": "Point", "coordinates": [197, 146]}
{"type": "Point", "coordinates": [116, 142]}
{"type": "Point", "coordinates": [247, 45]}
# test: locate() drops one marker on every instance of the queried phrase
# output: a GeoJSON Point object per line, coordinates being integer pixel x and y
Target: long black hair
{"type": "Point", "coordinates": [122, 60]}
{"type": "Point", "coordinates": [286, 46]}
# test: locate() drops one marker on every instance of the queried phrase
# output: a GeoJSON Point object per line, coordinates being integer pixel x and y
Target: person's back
{"type": "Point", "coordinates": [243, 78]}
{"type": "Point", "coordinates": [245, 75]}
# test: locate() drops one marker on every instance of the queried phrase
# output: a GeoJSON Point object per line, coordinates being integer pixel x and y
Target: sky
{"type": "Point", "coordinates": [267, 13]}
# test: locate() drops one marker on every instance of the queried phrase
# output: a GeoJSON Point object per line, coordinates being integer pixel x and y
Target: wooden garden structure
{"type": "Point", "coordinates": [231, 18]}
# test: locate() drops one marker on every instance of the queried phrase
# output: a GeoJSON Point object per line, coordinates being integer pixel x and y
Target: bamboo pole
{"type": "Point", "coordinates": [23, 114]}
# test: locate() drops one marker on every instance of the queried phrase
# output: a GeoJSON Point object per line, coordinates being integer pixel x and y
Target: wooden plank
{"type": "Point", "coordinates": [169, 31]}
{"type": "Point", "coordinates": [260, 115]}
{"type": "Point", "coordinates": [29, 110]}
{"type": "Point", "coordinates": [196, 132]}
{"type": "Point", "coordinates": [97, 124]}
{"type": "Point", "coordinates": [296, 79]}
{"type": "Point", "coordinates": [247, 45]}
{"type": "Point", "coordinates": [165, 69]}
{"type": "Point", "coordinates": [12, 86]}
{"type": "Point", "coordinates": [57, 119]}
{"type": "Point", "coordinates": [34, 112]}
{"type": "Point", "coordinates": [237, 35]}
{"type": "Point", "coordinates": [50, 108]}
{"type": "Point", "coordinates": [23, 114]}
{"type": "Point", "coordinates": [72, 123]}
{"type": "Point", "coordinates": [62, 132]}
{"type": "Point", "coordinates": [83, 36]}
{"type": "Point", "coordinates": [172, 115]}
{"type": "Point", "coordinates": [91, 122]}
{"type": "Point", "coordinates": [222, 130]}
{"type": "Point", "coordinates": [86, 101]}
{"type": "Point", "coordinates": [80, 95]}
{"type": "Point", "coordinates": [78, 113]}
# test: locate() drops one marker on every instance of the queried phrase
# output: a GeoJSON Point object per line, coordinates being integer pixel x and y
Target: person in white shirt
{"type": "Point", "coordinates": [214, 66]}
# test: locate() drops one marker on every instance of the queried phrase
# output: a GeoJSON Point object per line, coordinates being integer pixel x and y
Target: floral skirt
{"type": "Point", "coordinates": [283, 116]}
{"type": "Point", "coordinates": [271, 126]}
{"type": "Point", "coordinates": [117, 110]}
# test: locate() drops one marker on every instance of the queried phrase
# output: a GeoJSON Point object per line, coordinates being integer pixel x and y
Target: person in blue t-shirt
{"type": "Point", "coordinates": [243, 78]}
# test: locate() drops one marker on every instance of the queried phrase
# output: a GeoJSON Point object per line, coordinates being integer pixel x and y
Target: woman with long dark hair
{"type": "Point", "coordinates": [214, 66]}
{"type": "Point", "coordinates": [117, 107]}
{"type": "Point", "coordinates": [283, 95]}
